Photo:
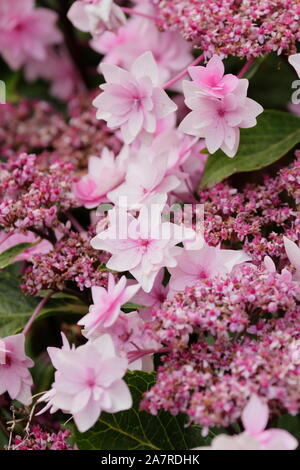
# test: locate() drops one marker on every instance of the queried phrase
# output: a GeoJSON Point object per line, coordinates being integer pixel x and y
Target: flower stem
{"type": "Point", "coordinates": [74, 222]}
{"type": "Point", "coordinates": [183, 72]}
{"type": "Point", "coordinates": [246, 67]}
{"type": "Point", "coordinates": [130, 11]}
{"type": "Point", "coordinates": [139, 353]}
{"type": "Point", "coordinates": [37, 312]}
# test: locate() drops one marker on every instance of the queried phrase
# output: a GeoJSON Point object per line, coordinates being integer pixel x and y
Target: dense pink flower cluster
{"type": "Point", "coordinates": [257, 214]}
{"type": "Point", "coordinates": [72, 259]}
{"type": "Point", "coordinates": [221, 298]}
{"type": "Point", "coordinates": [32, 196]}
{"type": "Point", "coordinates": [211, 383]}
{"type": "Point", "coordinates": [238, 27]}
{"type": "Point", "coordinates": [29, 126]}
{"type": "Point", "coordinates": [35, 126]}
{"type": "Point", "coordinates": [39, 439]}
{"type": "Point", "coordinates": [222, 306]}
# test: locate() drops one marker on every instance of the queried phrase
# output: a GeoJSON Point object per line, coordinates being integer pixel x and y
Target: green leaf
{"type": "Point", "coordinates": [291, 424]}
{"type": "Point", "coordinates": [8, 256]}
{"type": "Point", "coordinates": [274, 135]}
{"type": "Point", "coordinates": [16, 308]}
{"type": "Point", "coordinates": [138, 430]}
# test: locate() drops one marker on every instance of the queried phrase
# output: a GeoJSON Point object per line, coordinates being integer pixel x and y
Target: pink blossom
{"type": "Point", "coordinates": [171, 52]}
{"type": "Point", "coordinates": [209, 262]}
{"type": "Point", "coordinates": [14, 375]}
{"type": "Point", "coordinates": [96, 16]}
{"type": "Point", "coordinates": [26, 32]}
{"type": "Point", "coordinates": [243, 28]}
{"type": "Point", "coordinates": [133, 100]}
{"type": "Point", "coordinates": [255, 437]}
{"type": "Point", "coordinates": [219, 121]}
{"type": "Point", "coordinates": [107, 305]}
{"type": "Point", "coordinates": [130, 337]}
{"type": "Point", "coordinates": [185, 160]}
{"type": "Point", "coordinates": [104, 174]}
{"type": "Point", "coordinates": [294, 60]}
{"type": "Point", "coordinates": [143, 245]}
{"type": "Point", "coordinates": [88, 380]}
{"type": "Point", "coordinates": [44, 246]}
{"type": "Point", "coordinates": [293, 254]}
{"type": "Point", "coordinates": [57, 68]}
{"type": "Point", "coordinates": [147, 179]}
{"type": "Point", "coordinates": [211, 79]}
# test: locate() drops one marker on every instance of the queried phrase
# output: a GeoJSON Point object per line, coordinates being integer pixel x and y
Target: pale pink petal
{"type": "Point", "coordinates": [78, 17]}
{"type": "Point", "coordinates": [146, 66]}
{"type": "Point", "coordinates": [293, 252]}
{"type": "Point", "coordinates": [88, 416]}
{"type": "Point", "coordinates": [255, 415]}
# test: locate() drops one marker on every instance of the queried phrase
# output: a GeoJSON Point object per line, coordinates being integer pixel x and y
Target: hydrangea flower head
{"type": "Point", "coordinates": [132, 100]}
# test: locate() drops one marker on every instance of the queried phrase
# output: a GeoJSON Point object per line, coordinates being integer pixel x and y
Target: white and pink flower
{"type": "Point", "coordinates": [104, 174]}
{"type": "Point", "coordinates": [107, 305]}
{"type": "Point", "coordinates": [96, 16]}
{"type": "Point", "coordinates": [88, 380]}
{"type": "Point", "coordinates": [15, 377]}
{"type": "Point", "coordinates": [132, 100]}
{"type": "Point", "coordinates": [26, 32]}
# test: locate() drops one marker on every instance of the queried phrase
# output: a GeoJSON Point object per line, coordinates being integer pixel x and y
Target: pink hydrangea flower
{"type": "Point", "coordinates": [26, 32]}
{"type": "Point", "coordinates": [88, 380]}
{"type": "Point", "coordinates": [143, 245]}
{"type": "Point", "coordinates": [96, 16]}
{"type": "Point", "coordinates": [57, 68]}
{"type": "Point", "coordinates": [147, 180]}
{"type": "Point", "coordinates": [219, 121]}
{"type": "Point", "coordinates": [293, 254]}
{"type": "Point", "coordinates": [294, 60]}
{"type": "Point", "coordinates": [133, 101]}
{"type": "Point", "coordinates": [43, 247]}
{"type": "Point", "coordinates": [255, 437]}
{"type": "Point", "coordinates": [130, 338]}
{"type": "Point", "coordinates": [171, 52]}
{"type": "Point", "coordinates": [209, 261]}
{"type": "Point", "coordinates": [104, 174]}
{"type": "Point", "coordinates": [107, 305]}
{"type": "Point", "coordinates": [211, 79]}
{"type": "Point", "coordinates": [14, 375]}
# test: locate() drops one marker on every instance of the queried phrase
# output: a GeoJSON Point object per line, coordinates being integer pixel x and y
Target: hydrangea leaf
{"type": "Point", "coordinates": [275, 134]}
{"type": "Point", "coordinates": [16, 308]}
{"type": "Point", "coordinates": [8, 256]}
{"type": "Point", "coordinates": [137, 430]}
